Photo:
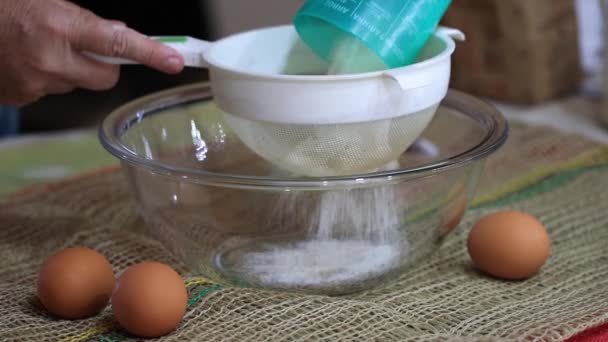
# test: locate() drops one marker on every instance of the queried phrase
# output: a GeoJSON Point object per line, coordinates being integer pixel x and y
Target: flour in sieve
{"type": "Point", "coordinates": [351, 56]}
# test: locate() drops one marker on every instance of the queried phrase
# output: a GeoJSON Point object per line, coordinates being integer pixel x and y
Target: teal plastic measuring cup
{"type": "Point", "coordinates": [392, 31]}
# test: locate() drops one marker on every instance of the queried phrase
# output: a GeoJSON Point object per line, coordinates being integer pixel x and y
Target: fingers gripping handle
{"type": "Point", "coordinates": [191, 49]}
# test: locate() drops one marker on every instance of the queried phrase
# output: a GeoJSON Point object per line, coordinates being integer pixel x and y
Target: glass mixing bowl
{"type": "Point", "coordinates": [239, 220]}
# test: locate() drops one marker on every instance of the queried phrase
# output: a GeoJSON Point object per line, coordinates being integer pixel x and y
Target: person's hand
{"type": "Point", "coordinates": [43, 43]}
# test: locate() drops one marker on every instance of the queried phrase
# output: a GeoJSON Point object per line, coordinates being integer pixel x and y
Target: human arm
{"type": "Point", "coordinates": [43, 44]}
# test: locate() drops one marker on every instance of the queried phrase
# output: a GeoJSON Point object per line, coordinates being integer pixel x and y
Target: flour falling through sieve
{"type": "Point", "coordinates": [352, 236]}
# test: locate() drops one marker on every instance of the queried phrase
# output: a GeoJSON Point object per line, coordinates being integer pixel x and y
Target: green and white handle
{"type": "Point", "coordinates": [191, 49]}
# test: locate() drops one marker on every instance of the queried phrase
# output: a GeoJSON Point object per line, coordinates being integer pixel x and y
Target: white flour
{"type": "Point", "coordinates": [321, 262]}
{"type": "Point", "coordinates": [350, 56]}
{"type": "Point", "coordinates": [369, 215]}
{"type": "Point", "coordinates": [352, 235]}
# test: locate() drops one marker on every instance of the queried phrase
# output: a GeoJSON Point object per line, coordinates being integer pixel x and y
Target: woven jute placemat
{"type": "Point", "coordinates": [561, 179]}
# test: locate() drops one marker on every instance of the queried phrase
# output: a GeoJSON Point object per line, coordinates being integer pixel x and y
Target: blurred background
{"type": "Point", "coordinates": [518, 51]}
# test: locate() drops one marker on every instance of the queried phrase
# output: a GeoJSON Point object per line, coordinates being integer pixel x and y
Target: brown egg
{"type": "Point", "coordinates": [509, 244]}
{"type": "Point", "coordinates": [75, 283]}
{"type": "Point", "coordinates": [455, 209]}
{"type": "Point", "coordinates": [150, 299]}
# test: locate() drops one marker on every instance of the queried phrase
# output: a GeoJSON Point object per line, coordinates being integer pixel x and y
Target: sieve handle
{"type": "Point", "coordinates": [191, 49]}
{"type": "Point", "coordinates": [451, 32]}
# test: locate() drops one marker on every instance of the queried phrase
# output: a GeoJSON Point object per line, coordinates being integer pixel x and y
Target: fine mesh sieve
{"type": "Point", "coordinates": [286, 108]}
{"type": "Point", "coordinates": [331, 149]}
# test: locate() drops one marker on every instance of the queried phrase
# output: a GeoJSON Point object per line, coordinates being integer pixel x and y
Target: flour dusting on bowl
{"type": "Point", "coordinates": [320, 262]}
{"type": "Point", "coordinates": [353, 236]}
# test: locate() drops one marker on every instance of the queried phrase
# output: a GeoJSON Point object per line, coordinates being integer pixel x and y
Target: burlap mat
{"type": "Point", "coordinates": [561, 179]}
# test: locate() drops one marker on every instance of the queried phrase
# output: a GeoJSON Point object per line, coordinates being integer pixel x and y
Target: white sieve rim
{"type": "Point", "coordinates": [329, 99]}
{"type": "Point", "coordinates": [447, 35]}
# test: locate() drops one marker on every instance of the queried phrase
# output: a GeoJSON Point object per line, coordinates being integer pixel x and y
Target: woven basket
{"type": "Point", "coordinates": [518, 50]}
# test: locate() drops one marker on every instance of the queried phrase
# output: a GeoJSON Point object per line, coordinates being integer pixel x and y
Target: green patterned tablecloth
{"type": "Point", "coordinates": [34, 159]}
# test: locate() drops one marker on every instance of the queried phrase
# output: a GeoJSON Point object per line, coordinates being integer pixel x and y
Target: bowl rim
{"type": "Point", "coordinates": [114, 124]}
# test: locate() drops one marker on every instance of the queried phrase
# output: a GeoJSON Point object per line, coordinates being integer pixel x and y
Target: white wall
{"type": "Point", "coordinates": [591, 25]}
{"type": "Point", "coordinates": [231, 16]}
